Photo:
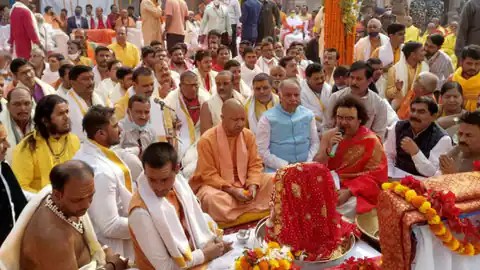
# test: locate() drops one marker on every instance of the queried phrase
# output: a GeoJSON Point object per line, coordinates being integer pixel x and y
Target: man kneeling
{"type": "Point", "coordinates": [229, 179]}
{"type": "Point", "coordinates": [168, 228]}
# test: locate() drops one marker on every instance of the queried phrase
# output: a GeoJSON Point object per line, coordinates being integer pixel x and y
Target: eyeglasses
{"type": "Point", "coordinates": [345, 118]}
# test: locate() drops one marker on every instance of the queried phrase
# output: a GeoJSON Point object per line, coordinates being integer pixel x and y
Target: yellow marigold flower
{"type": "Point", "coordinates": [434, 220]}
{"type": "Point", "coordinates": [387, 185]}
{"type": "Point", "coordinates": [424, 207]}
{"type": "Point", "coordinates": [438, 229]}
{"type": "Point", "coordinates": [417, 201]}
{"type": "Point", "coordinates": [285, 264]}
{"type": "Point", "coordinates": [258, 252]}
{"type": "Point", "coordinates": [238, 265]}
{"type": "Point", "coordinates": [256, 267]}
{"type": "Point", "coordinates": [400, 189]}
{"type": "Point", "coordinates": [410, 194]}
{"type": "Point", "coordinates": [454, 244]}
{"type": "Point", "coordinates": [447, 237]}
{"type": "Point", "coordinates": [273, 245]}
{"type": "Point", "coordinates": [469, 249]}
{"type": "Point", "coordinates": [274, 263]}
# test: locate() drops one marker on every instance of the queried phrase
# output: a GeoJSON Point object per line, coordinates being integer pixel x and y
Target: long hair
{"type": "Point", "coordinates": [43, 113]}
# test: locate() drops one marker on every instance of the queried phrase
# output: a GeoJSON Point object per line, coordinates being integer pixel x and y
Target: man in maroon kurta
{"type": "Point", "coordinates": [23, 29]}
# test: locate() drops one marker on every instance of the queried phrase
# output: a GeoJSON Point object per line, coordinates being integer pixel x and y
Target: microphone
{"type": "Point", "coordinates": [333, 151]}
{"type": "Point", "coordinates": [162, 104]}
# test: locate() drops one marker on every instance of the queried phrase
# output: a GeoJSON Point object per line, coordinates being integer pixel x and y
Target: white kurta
{"type": "Point", "coordinates": [78, 108]}
{"type": "Point", "coordinates": [265, 65]}
{"type": "Point", "coordinates": [215, 104]}
{"type": "Point", "coordinates": [109, 208]}
{"type": "Point", "coordinates": [105, 89]}
{"type": "Point", "coordinates": [201, 81]}
{"type": "Point", "coordinates": [249, 74]}
{"type": "Point", "coordinates": [316, 102]}
{"type": "Point", "coordinates": [10, 127]}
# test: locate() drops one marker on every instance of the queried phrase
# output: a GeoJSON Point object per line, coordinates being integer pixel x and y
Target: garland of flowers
{"type": "Point", "coordinates": [349, 15]}
{"type": "Point", "coordinates": [360, 264]}
{"type": "Point", "coordinates": [435, 204]}
{"type": "Point", "coordinates": [269, 256]}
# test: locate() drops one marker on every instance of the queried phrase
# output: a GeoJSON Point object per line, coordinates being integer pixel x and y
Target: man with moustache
{"type": "Point", "coordinates": [211, 111]}
{"type": "Point", "coordinates": [287, 133]}
{"type": "Point", "coordinates": [50, 144]}
{"type": "Point", "coordinates": [54, 231]}
{"type": "Point", "coordinates": [81, 97]}
{"type": "Point", "coordinates": [360, 78]}
{"type": "Point", "coordinates": [229, 180]}
{"type": "Point", "coordinates": [462, 157]}
{"type": "Point", "coordinates": [261, 101]}
{"type": "Point", "coordinates": [439, 62]}
{"type": "Point", "coordinates": [358, 164]}
{"type": "Point", "coordinates": [468, 75]}
{"type": "Point", "coordinates": [12, 198]}
{"type": "Point", "coordinates": [239, 84]}
{"type": "Point", "coordinates": [17, 119]}
{"type": "Point", "coordinates": [414, 146]}
{"type": "Point", "coordinates": [113, 182]}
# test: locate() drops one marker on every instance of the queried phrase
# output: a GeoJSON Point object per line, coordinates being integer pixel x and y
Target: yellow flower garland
{"type": "Point", "coordinates": [436, 225]}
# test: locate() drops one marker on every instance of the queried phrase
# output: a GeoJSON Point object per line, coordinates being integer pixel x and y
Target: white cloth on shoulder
{"type": "Point", "coordinates": [401, 72]}
{"type": "Point", "coordinates": [11, 248]}
{"type": "Point", "coordinates": [168, 224]}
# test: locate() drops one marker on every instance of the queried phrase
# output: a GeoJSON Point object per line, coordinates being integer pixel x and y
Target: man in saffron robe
{"type": "Point", "coordinates": [229, 179]}
{"type": "Point", "coordinates": [467, 75]}
{"type": "Point", "coordinates": [359, 162]}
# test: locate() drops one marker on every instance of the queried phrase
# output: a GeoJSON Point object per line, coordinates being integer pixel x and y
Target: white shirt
{"type": "Point", "coordinates": [265, 65]}
{"type": "Point", "coordinates": [49, 76]}
{"type": "Point", "coordinates": [152, 244]}
{"type": "Point", "coordinates": [316, 102]}
{"type": "Point", "coordinates": [263, 142]}
{"type": "Point", "coordinates": [234, 11]}
{"type": "Point", "coordinates": [109, 208]}
{"type": "Point", "coordinates": [248, 74]}
{"type": "Point", "coordinates": [240, 60]}
{"type": "Point", "coordinates": [215, 18]}
{"type": "Point", "coordinates": [105, 89]}
{"type": "Point", "coordinates": [426, 166]}
{"type": "Point", "coordinates": [97, 78]}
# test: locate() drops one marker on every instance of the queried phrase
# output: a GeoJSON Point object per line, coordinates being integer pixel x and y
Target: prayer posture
{"type": "Point", "coordinates": [70, 241]}
{"type": "Point", "coordinates": [229, 181]}
{"type": "Point", "coordinates": [211, 112]}
{"type": "Point", "coordinates": [468, 76]}
{"type": "Point", "coordinates": [81, 97]}
{"type": "Point", "coordinates": [367, 45]}
{"type": "Point", "coordinates": [24, 73]}
{"type": "Point", "coordinates": [12, 198]}
{"type": "Point", "coordinates": [360, 78]}
{"type": "Point", "coordinates": [462, 157]}
{"type": "Point", "coordinates": [17, 117]}
{"type": "Point", "coordinates": [50, 143]}
{"type": "Point", "coordinates": [414, 146]}
{"type": "Point", "coordinates": [401, 76]}
{"type": "Point", "coordinates": [358, 164]}
{"type": "Point", "coordinates": [113, 181]}
{"type": "Point", "coordinates": [424, 85]}
{"type": "Point", "coordinates": [161, 117]}
{"type": "Point", "coordinates": [261, 101]}
{"type": "Point", "coordinates": [315, 92]}
{"type": "Point", "coordinates": [287, 133]}
{"type": "Point", "coordinates": [167, 225]}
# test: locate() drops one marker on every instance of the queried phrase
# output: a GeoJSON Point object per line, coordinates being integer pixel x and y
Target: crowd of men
{"type": "Point", "coordinates": [164, 145]}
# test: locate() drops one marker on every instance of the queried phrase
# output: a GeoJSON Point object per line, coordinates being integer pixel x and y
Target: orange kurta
{"type": "Point", "coordinates": [207, 181]}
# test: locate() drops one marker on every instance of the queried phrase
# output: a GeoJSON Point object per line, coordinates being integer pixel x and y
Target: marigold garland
{"type": "Point", "coordinates": [412, 191]}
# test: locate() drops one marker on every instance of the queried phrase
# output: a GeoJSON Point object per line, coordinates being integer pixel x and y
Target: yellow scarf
{"type": "Point", "coordinates": [117, 161]}
{"type": "Point", "coordinates": [471, 89]}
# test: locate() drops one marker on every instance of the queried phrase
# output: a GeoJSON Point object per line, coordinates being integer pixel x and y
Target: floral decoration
{"type": "Point", "coordinates": [435, 205]}
{"type": "Point", "coordinates": [270, 256]}
{"type": "Point", "coordinates": [360, 264]}
{"type": "Point", "coordinates": [349, 15]}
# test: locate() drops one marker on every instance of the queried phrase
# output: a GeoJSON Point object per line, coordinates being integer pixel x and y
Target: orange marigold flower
{"type": "Point", "coordinates": [258, 252]}
{"type": "Point", "coordinates": [469, 249]}
{"type": "Point", "coordinates": [417, 201]}
{"type": "Point", "coordinates": [263, 265]}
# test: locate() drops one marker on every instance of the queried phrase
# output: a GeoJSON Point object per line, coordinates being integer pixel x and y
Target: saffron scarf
{"type": "Point", "coordinates": [471, 89]}
{"type": "Point", "coordinates": [225, 156]}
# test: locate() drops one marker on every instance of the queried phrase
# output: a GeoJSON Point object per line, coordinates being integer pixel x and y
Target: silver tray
{"type": "Point", "coordinates": [305, 265]}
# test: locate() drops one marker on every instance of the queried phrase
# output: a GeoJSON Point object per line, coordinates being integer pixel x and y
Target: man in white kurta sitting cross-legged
{"type": "Point", "coordinates": [81, 97]}
{"type": "Point", "coordinates": [113, 182]}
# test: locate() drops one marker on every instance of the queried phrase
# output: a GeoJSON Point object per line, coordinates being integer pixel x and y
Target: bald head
{"type": "Point", "coordinates": [374, 22]}
{"type": "Point", "coordinates": [373, 28]}
{"type": "Point", "coordinates": [64, 172]}
{"type": "Point", "coordinates": [428, 81]}
{"type": "Point", "coordinates": [233, 117]}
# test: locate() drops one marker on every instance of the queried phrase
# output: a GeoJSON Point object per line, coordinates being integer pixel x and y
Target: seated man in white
{"type": "Point", "coordinates": [113, 183]}
{"type": "Point", "coordinates": [249, 68]}
{"type": "Point", "coordinates": [81, 97]}
{"type": "Point", "coordinates": [211, 112]}
{"type": "Point", "coordinates": [287, 133]}
{"type": "Point", "coordinates": [267, 60]}
{"type": "Point", "coordinates": [414, 146]}
{"type": "Point", "coordinates": [167, 225]}
{"type": "Point", "coordinates": [315, 92]}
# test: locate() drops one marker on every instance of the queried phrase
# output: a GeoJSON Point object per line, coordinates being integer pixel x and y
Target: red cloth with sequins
{"type": "Point", "coordinates": [304, 214]}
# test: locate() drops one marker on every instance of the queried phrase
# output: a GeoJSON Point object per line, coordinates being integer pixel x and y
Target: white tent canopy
{"type": "Point", "coordinates": [71, 4]}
